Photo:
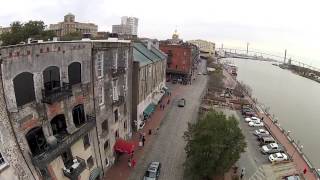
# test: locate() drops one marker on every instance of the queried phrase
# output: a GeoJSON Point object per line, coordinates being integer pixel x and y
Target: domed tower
{"type": "Point", "coordinates": [69, 18]}
{"type": "Point", "coordinates": [175, 35]}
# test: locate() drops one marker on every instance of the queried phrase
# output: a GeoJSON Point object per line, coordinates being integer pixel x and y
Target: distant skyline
{"type": "Point", "coordinates": [267, 25]}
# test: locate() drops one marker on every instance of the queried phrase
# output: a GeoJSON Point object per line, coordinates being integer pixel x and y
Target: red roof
{"type": "Point", "coordinates": [124, 146]}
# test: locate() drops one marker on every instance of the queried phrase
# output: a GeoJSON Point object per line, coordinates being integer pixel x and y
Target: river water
{"type": "Point", "coordinates": [293, 99]}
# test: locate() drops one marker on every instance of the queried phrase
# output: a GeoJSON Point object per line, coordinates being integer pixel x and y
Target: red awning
{"type": "Point", "coordinates": [124, 146]}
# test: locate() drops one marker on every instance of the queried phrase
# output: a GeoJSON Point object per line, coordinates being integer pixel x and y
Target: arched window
{"type": "Point", "coordinates": [51, 78]}
{"type": "Point", "coordinates": [74, 73]}
{"type": "Point", "coordinates": [59, 126]}
{"type": "Point", "coordinates": [36, 141]}
{"type": "Point", "coordinates": [24, 88]}
{"type": "Point", "coordinates": [78, 115]}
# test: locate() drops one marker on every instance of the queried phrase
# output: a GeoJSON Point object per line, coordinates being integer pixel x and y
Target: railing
{"type": "Point", "coordinates": [43, 159]}
{"type": "Point", "coordinates": [57, 93]}
{"type": "Point", "coordinates": [118, 71]}
{"type": "Point", "coordinates": [118, 102]}
{"type": "Point", "coordinates": [75, 169]}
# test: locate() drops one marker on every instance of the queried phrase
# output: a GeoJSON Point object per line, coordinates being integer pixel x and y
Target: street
{"type": "Point", "coordinates": [168, 145]}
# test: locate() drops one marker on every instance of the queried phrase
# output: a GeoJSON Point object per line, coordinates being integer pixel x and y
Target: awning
{"type": "Point", "coordinates": [149, 110]}
{"type": "Point", "coordinates": [95, 173]}
{"type": "Point", "coordinates": [124, 146]}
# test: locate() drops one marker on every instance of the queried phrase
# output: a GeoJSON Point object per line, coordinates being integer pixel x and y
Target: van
{"type": "Point", "coordinates": [267, 140]}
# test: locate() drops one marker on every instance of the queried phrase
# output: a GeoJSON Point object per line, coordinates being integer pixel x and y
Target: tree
{"type": "Point", "coordinates": [21, 32]}
{"type": "Point", "coordinates": [214, 144]}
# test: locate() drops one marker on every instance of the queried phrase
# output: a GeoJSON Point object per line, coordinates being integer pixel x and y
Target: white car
{"type": "Point", "coordinates": [256, 124]}
{"type": "Point", "coordinates": [199, 73]}
{"type": "Point", "coordinates": [250, 119]}
{"type": "Point", "coordinates": [272, 148]}
{"type": "Point", "coordinates": [278, 157]}
{"type": "Point", "coordinates": [260, 131]}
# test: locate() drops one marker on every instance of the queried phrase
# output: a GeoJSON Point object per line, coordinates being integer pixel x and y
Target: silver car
{"type": "Point", "coordinates": [153, 171]}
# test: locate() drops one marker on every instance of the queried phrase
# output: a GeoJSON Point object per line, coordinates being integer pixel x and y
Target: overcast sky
{"type": "Point", "coordinates": [270, 25]}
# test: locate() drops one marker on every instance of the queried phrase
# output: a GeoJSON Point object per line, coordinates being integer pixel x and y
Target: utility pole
{"type": "Point", "coordinates": [247, 48]}
{"type": "Point", "coordinates": [285, 56]}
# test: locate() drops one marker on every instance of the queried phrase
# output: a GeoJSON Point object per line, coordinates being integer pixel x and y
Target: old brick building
{"type": "Point", "coordinates": [63, 105]}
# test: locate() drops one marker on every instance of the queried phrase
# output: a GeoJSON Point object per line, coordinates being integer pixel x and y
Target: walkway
{"type": "Point", "coordinates": [282, 139]}
{"type": "Point", "coordinates": [120, 170]}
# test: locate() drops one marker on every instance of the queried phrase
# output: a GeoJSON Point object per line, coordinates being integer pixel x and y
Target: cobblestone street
{"type": "Point", "coordinates": [168, 145]}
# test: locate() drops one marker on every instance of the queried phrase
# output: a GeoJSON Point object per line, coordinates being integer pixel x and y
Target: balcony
{"type": "Point", "coordinates": [118, 102]}
{"type": "Point", "coordinates": [53, 152]}
{"type": "Point", "coordinates": [118, 71]}
{"type": "Point", "coordinates": [73, 171]}
{"type": "Point", "coordinates": [57, 93]}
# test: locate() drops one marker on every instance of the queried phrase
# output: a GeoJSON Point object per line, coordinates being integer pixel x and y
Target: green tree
{"type": "Point", "coordinates": [214, 144]}
{"type": "Point", "coordinates": [21, 32]}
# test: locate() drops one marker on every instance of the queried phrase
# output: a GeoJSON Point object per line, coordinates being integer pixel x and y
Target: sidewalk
{"type": "Point", "coordinates": [120, 170]}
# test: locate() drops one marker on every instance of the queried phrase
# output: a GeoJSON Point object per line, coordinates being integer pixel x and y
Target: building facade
{"type": "Point", "coordinates": [128, 26]}
{"type": "Point", "coordinates": [149, 68]}
{"type": "Point", "coordinates": [63, 107]}
{"type": "Point", "coordinates": [69, 25]}
{"type": "Point", "coordinates": [206, 48]}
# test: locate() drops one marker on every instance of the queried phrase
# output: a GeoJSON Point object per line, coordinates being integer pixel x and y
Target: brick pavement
{"type": "Point", "coordinates": [120, 170]}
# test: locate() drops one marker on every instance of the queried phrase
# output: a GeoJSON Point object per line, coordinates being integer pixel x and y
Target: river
{"type": "Point", "coordinates": [293, 99]}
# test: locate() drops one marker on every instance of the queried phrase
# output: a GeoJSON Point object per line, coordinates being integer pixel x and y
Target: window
{"type": "Point", "coordinates": [106, 145]}
{"type": "Point", "coordinates": [125, 82]}
{"type": "Point", "coordinates": [126, 56]}
{"type": "Point", "coordinates": [24, 88]}
{"type": "Point", "coordinates": [99, 65]}
{"type": "Point", "coordinates": [125, 125]}
{"type": "Point", "coordinates": [115, 90]}
{"type": "Point", "coordinates": [2, 161]}
{"type": "Point", "coordinates": [86, 141]}
{"type": "Point", "coordinates": [90, 162]}
{"type": "Point", "coordinates": [115, 58]}
{"type": "Point", "coordinates": [36, 141]}
{"type": "Point", "coordinates": [59, 126]}
{"type": "Point", "coordinates": [78, 115]}
{"type": "Point", "coordinates": [74, 73]}
{"type": "Point", "coordinates": [116, 115]}
{"type": "Point", "coordinates": [101, 95]}
{"type": "Point", "coordinates": [105, 126]}
{"type": "Point", "coordinates": [116, 134]}
{"type": "Point", "coordinates": [51, 78]}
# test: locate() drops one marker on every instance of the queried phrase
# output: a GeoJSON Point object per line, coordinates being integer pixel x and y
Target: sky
{"type": "Point", "coordinates": [269, 25]}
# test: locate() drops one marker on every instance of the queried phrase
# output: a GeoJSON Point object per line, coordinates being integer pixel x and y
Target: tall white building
{"type": "Point", "coordinates": [129, 25]}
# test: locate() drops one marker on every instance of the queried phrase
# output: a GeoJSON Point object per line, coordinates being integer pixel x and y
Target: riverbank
{"type": "Point", "coordinates": [284, 138]}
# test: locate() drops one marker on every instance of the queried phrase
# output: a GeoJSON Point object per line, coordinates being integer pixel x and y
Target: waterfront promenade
{"type": "Point", "coordinates": [281, 137]}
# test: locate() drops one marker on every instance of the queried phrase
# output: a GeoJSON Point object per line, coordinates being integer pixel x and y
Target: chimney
{"type": "Point", "coordinates": [149, 44]}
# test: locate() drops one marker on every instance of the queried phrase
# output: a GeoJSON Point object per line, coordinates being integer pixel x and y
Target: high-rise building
{"type": "Point", "coordinates": [69, 25]}
{"type": "Point", "coordinates": [128, 26]}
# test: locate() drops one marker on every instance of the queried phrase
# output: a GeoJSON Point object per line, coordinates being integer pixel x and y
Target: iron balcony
{"type": "Point", "coordinates": [52, 153]}
{"type": "Point", "coordinates": [118, 71]}
{"type": "Point", "coordinates": [74, 170]}
{"type": "Point", "coordinates": [57, 93]}
{"type": "Point", "coordinates": [118, 102]}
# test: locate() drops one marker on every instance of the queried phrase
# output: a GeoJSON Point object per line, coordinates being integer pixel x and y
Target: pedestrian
{"type": "Point", "coordinates": [262, 118]}
{"type": "Point", "coordinates": [304, 170]}
{"type": "Point", "coordinates": [129, 162]}
{"type": "Point", "coordinates": [143, 140]}
{"type": "Point", "coordinates": [168, 101]}
{"type": "Point", "coordinates": [133, 163]}
{"type": "Point", "coordinates": [242, 173]}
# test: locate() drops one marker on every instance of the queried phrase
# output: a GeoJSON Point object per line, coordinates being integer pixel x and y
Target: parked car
{"type": "Point", "coordinates": [141, 125]}
{"type": "Point", "coordinates": [182, 102]}
{"type": "Point", "coordinates": [199, 73]}
{"type": "Point", "coordinates": [256, 124]}
{"type": "Point", "coordinates": [153, 171]}
{"type": "Point", "coordinates": [266, 140]}
{"type": "Point", "coordinates": [272, 148]}
{"type": "Point", "coordinates": [260, 136]}
{"type": "Point", "coordinates": [250, 119]}
{"type": "Point", "coordinates": [261, 131]}
{"type": "Point", "coordinates": [174, 81]}
{"type": "Point", "coordinates": [278, 157]}
{"type": "Point", "coordinates": [292, 177]}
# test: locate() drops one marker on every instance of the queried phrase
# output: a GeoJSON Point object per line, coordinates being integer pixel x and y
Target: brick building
{"type": "Point", "coordinates": [63, 106]}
